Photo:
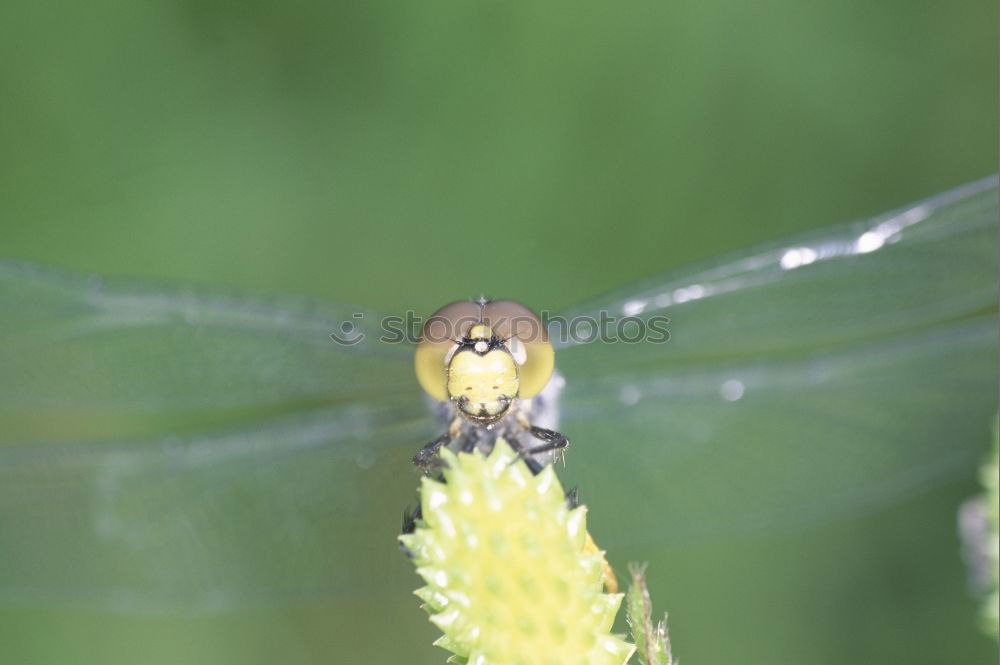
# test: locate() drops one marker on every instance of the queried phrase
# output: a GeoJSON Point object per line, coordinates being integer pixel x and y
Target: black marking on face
{"type": "Point", "coordinates": [473, 344]}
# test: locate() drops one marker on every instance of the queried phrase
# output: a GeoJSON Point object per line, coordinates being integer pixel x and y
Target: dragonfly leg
{"type": "Point", "coordinates": [427, 458]}
{"type": "Point", "coordinates": [573, 498]}
{"type": "Point", "coordinates": [471, 442]}
{"type": "Point", "coordinates": [524, 454]}
{"type": "Point", "coordinates": [410, 518]}
{"type": "Point", "coordinates": [551, 441]}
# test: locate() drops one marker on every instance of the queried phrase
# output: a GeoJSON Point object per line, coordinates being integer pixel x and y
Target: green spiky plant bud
{"type": "Point", "coordinates": [510, 579]}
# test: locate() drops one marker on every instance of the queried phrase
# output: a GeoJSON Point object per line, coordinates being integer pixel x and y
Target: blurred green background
{"type": "Point", "coordinates": [402, 155]}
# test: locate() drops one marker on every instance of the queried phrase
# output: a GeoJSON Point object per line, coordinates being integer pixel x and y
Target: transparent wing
{"type": "Point", "coordinates": [824, 376]}
{"type": "Point", "coordinates": [82, 357]}
{"type": "Point", "coordinates": [930, 263]}
{"type": "Point", "coordinates": [282, 509]}
{"type": "Point", "coordinates": [781, 444]}
{"type": "Point", "coordinates": [306, 507]}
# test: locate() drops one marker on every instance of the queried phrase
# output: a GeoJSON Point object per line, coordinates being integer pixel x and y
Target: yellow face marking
{"type": "Point", "coordinates": [483, 386]}
{"type": "Point", "coordinates": [480, 332]}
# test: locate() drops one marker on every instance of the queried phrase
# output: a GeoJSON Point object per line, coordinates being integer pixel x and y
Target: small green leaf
{"type": "Point", "coordinates": [990, 475]}
{"type": "Point", "coordinates": [652, 641]}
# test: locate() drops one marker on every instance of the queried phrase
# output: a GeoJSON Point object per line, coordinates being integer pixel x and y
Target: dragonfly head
{"type": "Point", "coordinates": [482, 356]}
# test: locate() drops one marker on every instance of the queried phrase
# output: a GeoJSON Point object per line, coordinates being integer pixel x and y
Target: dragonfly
{"type": "Point", "coordinates": [165, 448]}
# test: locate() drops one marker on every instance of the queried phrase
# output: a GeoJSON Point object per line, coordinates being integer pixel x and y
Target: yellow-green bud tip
{"type": "Point", "coordinates": [510, 580]}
